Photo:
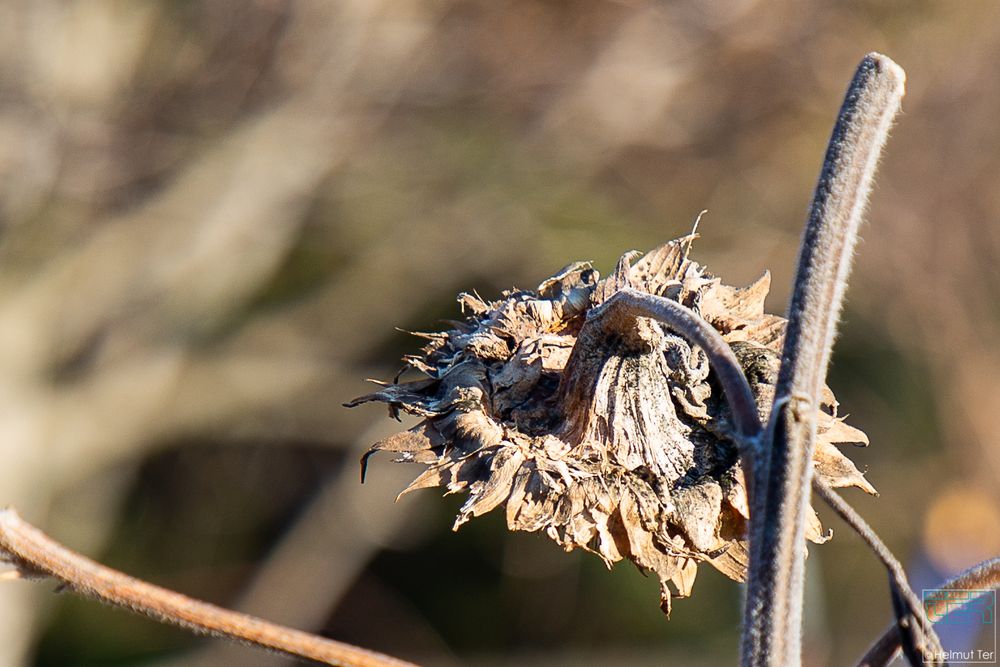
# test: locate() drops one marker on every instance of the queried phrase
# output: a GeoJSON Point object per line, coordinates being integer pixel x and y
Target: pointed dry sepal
{"type": "Point", "coordinates": [772, 618]}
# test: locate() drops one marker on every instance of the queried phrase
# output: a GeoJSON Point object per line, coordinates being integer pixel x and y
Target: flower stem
{"type": "Point", "coordinates": [772, 623]}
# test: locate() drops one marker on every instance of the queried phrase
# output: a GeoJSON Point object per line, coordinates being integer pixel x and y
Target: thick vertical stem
{"type": "Point", "coordinates": [773, 613]}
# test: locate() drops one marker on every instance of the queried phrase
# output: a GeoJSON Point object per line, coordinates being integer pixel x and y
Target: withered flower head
{"type": "Point", "coordinates": [609, 434]}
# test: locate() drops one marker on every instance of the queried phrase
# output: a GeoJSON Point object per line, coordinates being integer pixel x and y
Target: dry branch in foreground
{"type": "Point", "coordinates": [34, 554]}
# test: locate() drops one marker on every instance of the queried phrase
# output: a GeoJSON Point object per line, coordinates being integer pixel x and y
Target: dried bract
{"type": "Point", "coordinates": [610, 434]}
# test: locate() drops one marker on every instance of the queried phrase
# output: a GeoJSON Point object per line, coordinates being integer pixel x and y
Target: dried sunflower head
{"type": "Point", "coordinates": [610, 435]}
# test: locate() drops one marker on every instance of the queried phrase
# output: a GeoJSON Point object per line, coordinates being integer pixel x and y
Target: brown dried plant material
{"type": "Point", "coordinates": [610, 435]}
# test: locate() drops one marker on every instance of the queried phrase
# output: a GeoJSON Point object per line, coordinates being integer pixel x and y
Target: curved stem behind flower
{"type": "Point", "coordinates": [633, 303]}
{"type": "Point", "coordinates": [629, 302]}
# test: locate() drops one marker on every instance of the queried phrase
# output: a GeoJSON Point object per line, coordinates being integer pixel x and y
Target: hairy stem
{"type": "Point", "coordinates": [34, 554]}
{"type": "Point", "coordinates": [773, 612]}
{"type": "Point", "coordinates": [982, 577]}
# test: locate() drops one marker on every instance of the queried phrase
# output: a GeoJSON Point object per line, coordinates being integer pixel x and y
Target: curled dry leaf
{"type": "Point", "coordinates": [609, 435]}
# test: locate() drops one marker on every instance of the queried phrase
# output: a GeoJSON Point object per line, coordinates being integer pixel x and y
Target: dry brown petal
{"type": "Point", "coordinates": [837, 469]}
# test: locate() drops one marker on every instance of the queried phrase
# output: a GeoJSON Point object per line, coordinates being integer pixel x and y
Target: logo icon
{"type": "Point", "coordinates": [970, 613]}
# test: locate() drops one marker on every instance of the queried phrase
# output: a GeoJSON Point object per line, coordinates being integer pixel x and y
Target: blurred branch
{"type": "Point", "coordinates": [773, 612]}
{"type": "Point", "coordinates": [981, 577]}
{"type": "Point", "coordinates": [309, 570]}
{"type": "Point", "coordinates": [34, 554]}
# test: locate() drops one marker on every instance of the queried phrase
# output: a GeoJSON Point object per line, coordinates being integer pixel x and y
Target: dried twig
{"type": "Point", "coordinates": [984, 576]}
{"type": "Point", "coordinates": [773, 613]}
{"type": "Point", "coordinates": [33, 553]}
{"type": "Point", "coordinates": [914, 630]}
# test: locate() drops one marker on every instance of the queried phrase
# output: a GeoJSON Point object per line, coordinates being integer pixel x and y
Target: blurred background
{"type": "Point", "coordinates": [214, 215]}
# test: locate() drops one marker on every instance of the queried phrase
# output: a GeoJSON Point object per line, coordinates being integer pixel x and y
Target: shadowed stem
{"type": "Point", "coordinates": [913, 629]}
{"type": "Point", "coordinates": [773, 613]}
{"type": "Point", "coordinates": [982, 577]}
{"type": "Point", "coordinates": [35, 554]}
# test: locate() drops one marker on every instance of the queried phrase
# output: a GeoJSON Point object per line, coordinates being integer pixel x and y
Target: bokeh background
{"type": "Point", "coordinates": [214, 215]}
